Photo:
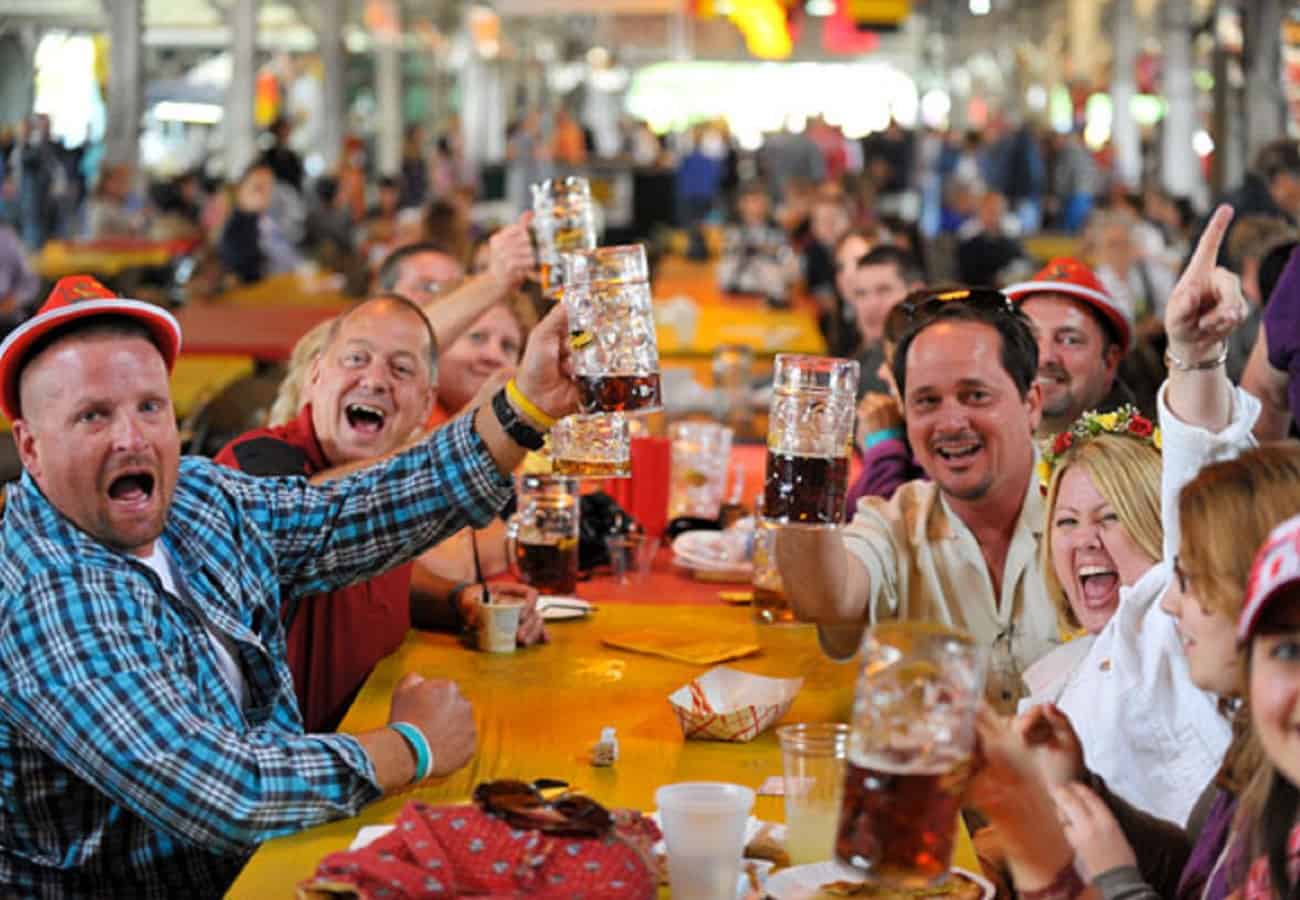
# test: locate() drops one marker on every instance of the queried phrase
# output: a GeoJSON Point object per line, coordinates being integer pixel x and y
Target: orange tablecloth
{"type": "Point", "coordinates": [540, 709]}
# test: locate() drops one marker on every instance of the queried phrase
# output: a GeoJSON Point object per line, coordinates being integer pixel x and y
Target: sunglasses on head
{"type": "Point", "coordinates": [923, 304]}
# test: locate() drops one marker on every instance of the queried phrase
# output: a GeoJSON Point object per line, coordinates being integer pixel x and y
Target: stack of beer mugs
{"type": "Point", "coordinates": [606, 292]}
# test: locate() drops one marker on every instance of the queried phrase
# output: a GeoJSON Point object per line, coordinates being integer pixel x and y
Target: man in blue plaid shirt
{"type": "Point", "coordinates": [149, 736]}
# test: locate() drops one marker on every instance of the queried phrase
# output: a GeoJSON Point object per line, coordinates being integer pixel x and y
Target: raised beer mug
{"type": "Point", "coordinates": [612, 323]}
{"type": "Point", "coordinates": [563, 222]}
{"type": "Point", "coordinates": [542, 537]}
{"type": "Point", "coordinates": [809, 439]}
{"type": "Point", "coordinates": [909, 752]}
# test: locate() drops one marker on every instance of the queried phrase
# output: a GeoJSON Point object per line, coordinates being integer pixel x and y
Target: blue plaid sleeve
{"type": "Point", "coordinates": [330, 535]}
{"type": "Point", "coordinates": [87, 682]}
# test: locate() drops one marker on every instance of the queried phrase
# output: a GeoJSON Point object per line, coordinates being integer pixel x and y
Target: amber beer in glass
{"type": "Point", "coordinates": [611, 318]}
{"type": "Point", "coordinates": [909, 752]}
{"type": "Point", "coordinates": [809, 438]}
{"type": "Point", "coordinates": [563, 222]}
{"type": "Point", "coordinates": [591, 446]}
{"type": "Point", "coordinates": [542, 537]}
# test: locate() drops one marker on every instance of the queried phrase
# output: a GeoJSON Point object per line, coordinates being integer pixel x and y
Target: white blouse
{"type": "Point", "coordinates": [1148, 731]}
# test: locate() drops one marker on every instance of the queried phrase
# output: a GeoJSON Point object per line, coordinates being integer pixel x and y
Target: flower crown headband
{"type": "Point", "coordinates": [1124, 420]}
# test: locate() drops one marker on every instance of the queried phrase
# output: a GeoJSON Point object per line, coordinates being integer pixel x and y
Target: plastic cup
{"type": "Point", "coordinates": [498, 624]}
{"type": "Point", "coordinates": [631, 556]}
{"type": "Point", "coordinates": [812, 756]}
{"type": "Point", "coordinates": [704, 829]}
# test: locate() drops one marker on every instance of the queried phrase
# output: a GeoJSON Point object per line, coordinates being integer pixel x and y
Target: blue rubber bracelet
{"type": "Point", "coordinates": [884, 434]}
{"type": "Point", "coordinates": [419, 746]}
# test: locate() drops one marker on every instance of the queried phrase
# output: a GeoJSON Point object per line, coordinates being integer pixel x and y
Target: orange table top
{"type": "Point", "coordinates": [539, 710]}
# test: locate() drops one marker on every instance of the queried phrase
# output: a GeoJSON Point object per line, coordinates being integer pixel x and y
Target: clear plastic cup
{"type": "Point", "coordinates": [631, 556]}
{"type": "Point", "coordinates": [701, 452]}
{"type": "Point", "coordinates": [704, 829]}
{"type": "Point", "coordinates": [812, 757]}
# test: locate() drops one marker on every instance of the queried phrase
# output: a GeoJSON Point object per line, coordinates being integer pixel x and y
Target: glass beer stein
{"type": "Point", "coordinates": [595, 446]}
{"type": "Point", "coordinates": [809, 439]}
{"type": "Point", "coordinates": [909, 751]}
{"type": "Point", "coordinates": [542, 537]}
{"type": "Point", "coordinates": [611, 319]}
{"type": "Point", "coordinates": [563, 222]}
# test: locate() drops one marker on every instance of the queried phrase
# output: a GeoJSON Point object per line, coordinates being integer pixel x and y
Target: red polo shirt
{"type": "Point", "coordinates": [334, 639]}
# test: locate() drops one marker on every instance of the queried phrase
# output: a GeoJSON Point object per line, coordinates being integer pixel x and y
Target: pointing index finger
{"type": "Point", "coordinates": [1207, 248]}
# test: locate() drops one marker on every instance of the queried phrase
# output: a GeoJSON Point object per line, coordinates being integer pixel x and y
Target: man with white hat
{"type": "Point", "coordinates": [149, 735]}
{"type": "Point", "coordinates": [1082, 338]}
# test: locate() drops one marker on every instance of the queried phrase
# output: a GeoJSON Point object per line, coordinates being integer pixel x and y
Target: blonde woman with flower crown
{"type": "Point", "coordinates": [1145, 728]}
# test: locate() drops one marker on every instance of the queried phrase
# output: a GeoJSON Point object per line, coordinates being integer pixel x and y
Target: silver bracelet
{"type": "Point", "coordinates": [1174, 362]}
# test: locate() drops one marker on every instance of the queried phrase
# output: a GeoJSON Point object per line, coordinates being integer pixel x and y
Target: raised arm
{"type": "Point", "coordinates": [1204, 308]}
{"type": "Point", "coordinates": [510, 259]}
{"type": "Point", "coordinates": [826, 584]}
{"type": "Point", "coordinates": [1270, 386]}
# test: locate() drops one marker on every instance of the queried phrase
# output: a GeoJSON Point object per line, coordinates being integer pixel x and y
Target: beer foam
{"type": "Point", "coordinates": [891, 764]}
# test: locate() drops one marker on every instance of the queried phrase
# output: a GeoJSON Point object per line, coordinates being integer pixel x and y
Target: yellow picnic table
{"type": "Point", "coordinates": [106, 258]}
{"type": "Point", "coordinates": [718, 319]}
{"type": "Point", "coordinates": [539, 710]}
{"type": "Point", "coordinates": [288, 289]}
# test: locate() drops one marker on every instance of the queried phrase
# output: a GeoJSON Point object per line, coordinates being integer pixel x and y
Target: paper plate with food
{"type": "Point", "coordinates": [830, 880]}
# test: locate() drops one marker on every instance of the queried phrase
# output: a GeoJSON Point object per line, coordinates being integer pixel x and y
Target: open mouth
{"type": "Point", "coordinates": [957, 451]}
{"type": "Point", "coordinates": [131, 487]}
{"type": "Point", "coordinates": [1098, 583]}
{"type": "Point", "coordinates": [365, 418]}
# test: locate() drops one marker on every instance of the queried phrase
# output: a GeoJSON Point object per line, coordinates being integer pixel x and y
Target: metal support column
{"type": "Point", "coordinates": [125, 81]}
{"type": "Point", "coordinates": [240, 128]}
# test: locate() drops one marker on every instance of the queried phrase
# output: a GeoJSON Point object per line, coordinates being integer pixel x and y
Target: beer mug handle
{"type": "Point", "coordinates": [512, 544]}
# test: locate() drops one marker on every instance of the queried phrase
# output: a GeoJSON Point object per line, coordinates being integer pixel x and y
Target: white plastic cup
{"type": "Point", "coordinates": [498, 625]}
{"type": "Point", "coordinates": [704, 829]}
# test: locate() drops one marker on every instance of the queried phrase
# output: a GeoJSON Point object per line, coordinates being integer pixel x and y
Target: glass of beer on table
{"type": "Point", "coordinates": [809, 439]}
{"type": "Point", "coordinates": [909, 752]}
{"type": "Point", "coordinates": [542, 537]}
{"type": "Point", "coordinates": [563, 222]}
{"type": "Point", "coordinates": [612, 328]}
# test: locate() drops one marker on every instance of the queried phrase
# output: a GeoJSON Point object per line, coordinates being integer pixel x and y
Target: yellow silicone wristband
{"type": "Point", "coordinates": [526, 406]}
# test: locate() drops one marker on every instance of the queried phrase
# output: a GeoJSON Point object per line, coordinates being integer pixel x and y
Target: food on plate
{"type": "Point", "coordinates": [959, 886]}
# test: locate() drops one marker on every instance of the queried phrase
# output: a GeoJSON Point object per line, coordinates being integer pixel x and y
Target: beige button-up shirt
{"type": "Point", "coordinates": [925, 564]}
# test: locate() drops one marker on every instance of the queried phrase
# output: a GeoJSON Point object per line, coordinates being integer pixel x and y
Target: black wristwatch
{"type": "Point", "coordinates": [513, 424]}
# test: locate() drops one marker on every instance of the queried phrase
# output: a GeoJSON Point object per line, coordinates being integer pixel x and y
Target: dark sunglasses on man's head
{"type": "Point", "coordinates": [928, 302]}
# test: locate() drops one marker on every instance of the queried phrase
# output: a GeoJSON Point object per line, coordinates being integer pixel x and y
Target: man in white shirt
{"type": "Point", "coordinates": [963, 548]}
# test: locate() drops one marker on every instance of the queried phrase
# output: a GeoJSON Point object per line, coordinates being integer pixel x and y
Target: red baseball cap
{"type": "Point", "coordinates": [74, 298]}
{"type": "Point", "coordinates": [1068, 276]}
{"type": "Point", "coordinates": [1276, 566]}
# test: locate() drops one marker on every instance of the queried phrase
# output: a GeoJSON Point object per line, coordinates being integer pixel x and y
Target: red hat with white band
{"type": "Point", "coordinates": [1276, 566]}
{"type": "Point", "coordinates": [1075, 280]}
{"type": "Point", "coordinates": [74, 299]}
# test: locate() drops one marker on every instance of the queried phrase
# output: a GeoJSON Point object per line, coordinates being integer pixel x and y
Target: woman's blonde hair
{"type": "Point", "coordinates": [288, 400]}
{"type": "Point", "coordinates": [1226, 512]}
{"type": "Point", "coordinates": [1126, 472]}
